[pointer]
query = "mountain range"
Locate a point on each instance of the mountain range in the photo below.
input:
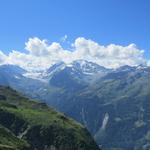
(113, 104)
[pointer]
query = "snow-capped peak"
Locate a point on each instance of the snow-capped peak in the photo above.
(88, 67)
(76, 68)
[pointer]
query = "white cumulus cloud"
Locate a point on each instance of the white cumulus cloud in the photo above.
(110, 56)
(40, 54)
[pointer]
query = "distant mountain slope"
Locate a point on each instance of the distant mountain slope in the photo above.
(28, 125)
(116, 109)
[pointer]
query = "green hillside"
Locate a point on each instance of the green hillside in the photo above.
(26, 125)
(8, 141)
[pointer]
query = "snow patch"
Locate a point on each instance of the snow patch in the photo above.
(105, 121)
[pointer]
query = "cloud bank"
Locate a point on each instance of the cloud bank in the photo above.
(41, 55)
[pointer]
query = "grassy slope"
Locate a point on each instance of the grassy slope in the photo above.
(36, 114)
(9, 141)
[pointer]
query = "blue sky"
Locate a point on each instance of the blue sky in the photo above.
(104, 21)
